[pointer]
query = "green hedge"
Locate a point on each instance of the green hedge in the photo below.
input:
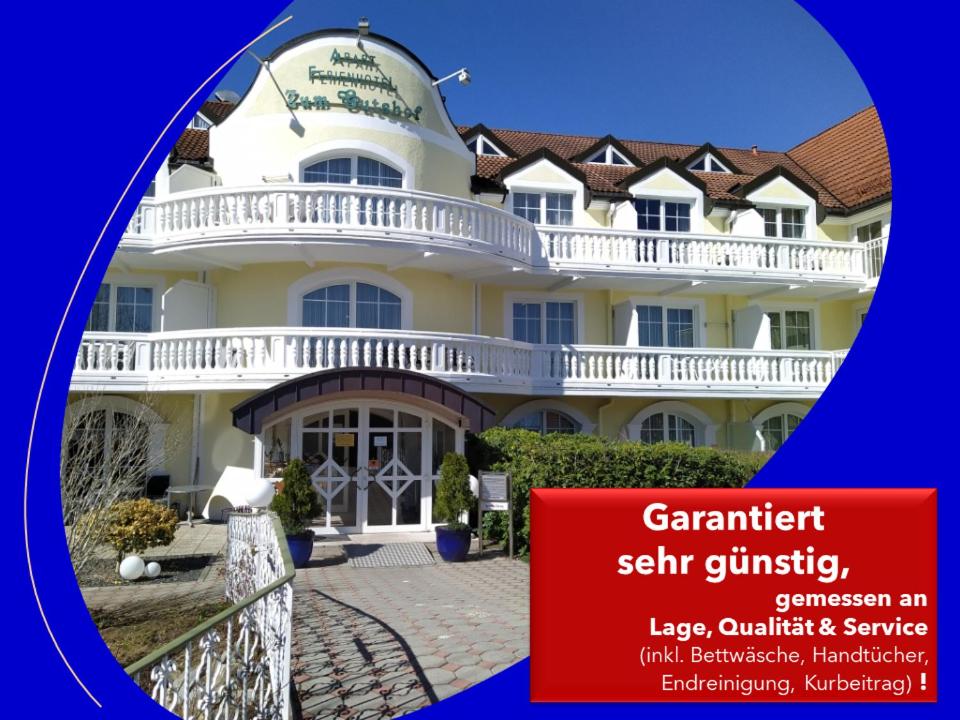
(586, 461)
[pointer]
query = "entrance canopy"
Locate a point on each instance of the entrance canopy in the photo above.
(250, 414)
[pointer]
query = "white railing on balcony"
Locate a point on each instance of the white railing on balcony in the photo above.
(389, 214)
(721, 254)
(335, 208)
(267, 355)
(237, 663)
(874, 252)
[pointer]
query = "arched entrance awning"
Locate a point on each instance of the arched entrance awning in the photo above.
(250, 414)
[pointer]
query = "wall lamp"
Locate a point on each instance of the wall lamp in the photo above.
(462, 75)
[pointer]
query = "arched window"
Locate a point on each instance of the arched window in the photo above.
(775, 424)
(111, 441)
(671, 421)
(548, 421)
(667, 427)
(355, 304)
(353, 170)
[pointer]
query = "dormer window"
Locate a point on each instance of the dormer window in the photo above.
(557, 208)
(199, 123)
(608, 156)
(708, 163)
(784, 222)
(481, 146)
(662, 215)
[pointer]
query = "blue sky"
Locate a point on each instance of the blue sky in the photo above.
(732, 73)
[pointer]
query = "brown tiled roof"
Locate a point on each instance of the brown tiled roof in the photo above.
(216, 111)
(192, 147)
(833, 172)
(850, 159)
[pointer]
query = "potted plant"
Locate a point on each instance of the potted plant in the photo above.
(296, 504)
(453, 499)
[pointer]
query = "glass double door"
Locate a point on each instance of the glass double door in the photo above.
(367, 464)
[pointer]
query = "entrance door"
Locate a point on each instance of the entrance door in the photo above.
(367, 465)
(394, 451)
(330, 447)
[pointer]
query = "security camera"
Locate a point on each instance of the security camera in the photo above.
(464, 77)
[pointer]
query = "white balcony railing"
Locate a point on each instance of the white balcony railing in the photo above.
(260, 357)
(384, 212)
(406, 216)
(717, 254)
(874, 251)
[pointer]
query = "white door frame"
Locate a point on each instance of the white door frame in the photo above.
(363, 477)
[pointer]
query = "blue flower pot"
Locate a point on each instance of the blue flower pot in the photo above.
(301, 548)
(453, 545)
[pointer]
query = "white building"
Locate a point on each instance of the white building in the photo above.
(341, 273)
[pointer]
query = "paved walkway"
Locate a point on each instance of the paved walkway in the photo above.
(381, 642)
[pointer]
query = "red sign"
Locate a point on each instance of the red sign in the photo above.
(733, 595)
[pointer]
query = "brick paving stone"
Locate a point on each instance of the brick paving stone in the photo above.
(382, 642)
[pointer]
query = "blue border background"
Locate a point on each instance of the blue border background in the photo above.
(92, 89)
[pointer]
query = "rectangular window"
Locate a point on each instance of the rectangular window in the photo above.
(99, 320)
(872, 231)
(791, 329)
(559, 209)
(784, 222)
(648, 214)
(796, 328)
(792, 222)
(134, 309)
(526, 322)
(769, 221)
(676, 217)
(527, 206)
(656, 323)
(650, 325)
(561, 326)
(680, 327)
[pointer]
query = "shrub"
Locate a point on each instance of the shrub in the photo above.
(135, 525)
(297, 503)
(586, 461)
(453, 496)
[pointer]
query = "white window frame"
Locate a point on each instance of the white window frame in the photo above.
(663, 212)
(779, 210)
(608, 152)
(112, 405)
(347, 276)
(710, 164)
(587, 426)
(354, 169)
(542, 299)
(704, 428)
(781, 409)
(543, 203)
(153, 282)
(199, 122)
(800, 307)
(338, 149)
(483, 145)
(699, 308)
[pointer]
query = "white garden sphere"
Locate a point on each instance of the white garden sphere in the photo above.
(260, 493)
(152, 570)
(132, 567)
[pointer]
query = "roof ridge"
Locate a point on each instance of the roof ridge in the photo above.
(871, 106)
